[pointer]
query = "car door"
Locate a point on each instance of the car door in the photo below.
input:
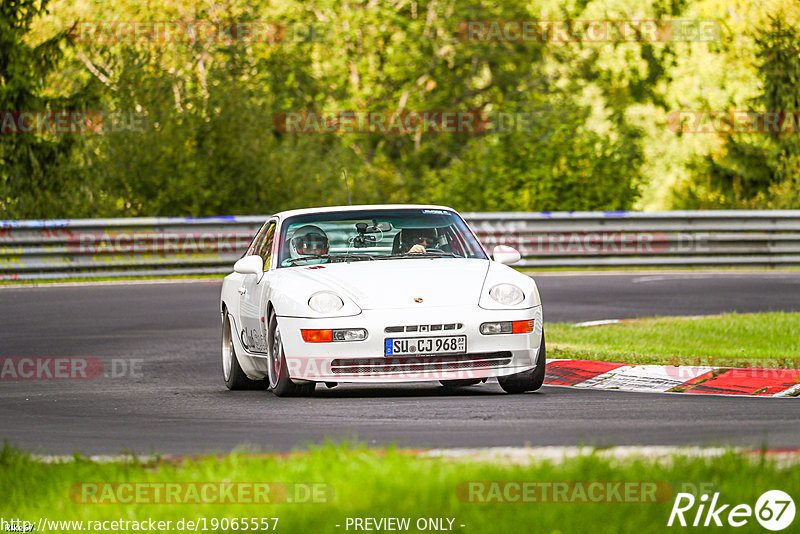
(251, 294)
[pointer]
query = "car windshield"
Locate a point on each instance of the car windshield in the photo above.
(375, 235)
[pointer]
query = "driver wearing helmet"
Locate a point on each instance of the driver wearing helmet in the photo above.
(308, 241)
(418, 240)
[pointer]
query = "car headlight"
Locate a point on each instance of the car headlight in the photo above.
(507, 294)
(325, 302)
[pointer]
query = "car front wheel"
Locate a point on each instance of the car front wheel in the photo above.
(232, 372)
(529, 380)
(279, 381)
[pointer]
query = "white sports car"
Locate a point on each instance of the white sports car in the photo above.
(393, 293)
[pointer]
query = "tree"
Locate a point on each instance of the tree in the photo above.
(36, 176)
(760, 169)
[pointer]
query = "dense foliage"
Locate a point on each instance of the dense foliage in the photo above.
(759, 169)
(589, 126)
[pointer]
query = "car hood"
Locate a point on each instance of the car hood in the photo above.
(397, 283)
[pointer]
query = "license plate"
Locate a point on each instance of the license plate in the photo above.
(425, 345)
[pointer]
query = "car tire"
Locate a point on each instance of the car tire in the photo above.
(232, 373)
(529, 380)
(279, 380)
(460, 383)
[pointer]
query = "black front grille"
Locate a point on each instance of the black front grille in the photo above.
(423, 328)
(413, 364)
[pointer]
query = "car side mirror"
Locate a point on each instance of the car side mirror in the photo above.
(250, 265)
(505, 254)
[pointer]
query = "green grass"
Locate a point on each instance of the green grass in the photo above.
(365, 483)
(732, 340)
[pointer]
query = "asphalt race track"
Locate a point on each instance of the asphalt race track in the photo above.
(162, 340)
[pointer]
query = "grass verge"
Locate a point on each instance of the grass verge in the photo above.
(364, 483)
(731, 340)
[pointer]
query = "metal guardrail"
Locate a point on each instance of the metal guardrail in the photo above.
(628, 238)
(70, 248)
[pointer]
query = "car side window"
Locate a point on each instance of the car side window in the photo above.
(256, 240)
(264, 247)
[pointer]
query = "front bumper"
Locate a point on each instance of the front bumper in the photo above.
(364, 361)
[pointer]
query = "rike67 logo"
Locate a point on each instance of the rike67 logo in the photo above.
(774, 510)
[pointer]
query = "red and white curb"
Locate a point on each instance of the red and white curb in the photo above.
(674, 379)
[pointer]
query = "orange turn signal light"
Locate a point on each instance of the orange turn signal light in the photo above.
(522, 327)
(317, 336)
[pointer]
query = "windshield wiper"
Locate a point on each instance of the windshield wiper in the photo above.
(330, 257)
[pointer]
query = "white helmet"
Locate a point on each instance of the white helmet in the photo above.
(308, 240)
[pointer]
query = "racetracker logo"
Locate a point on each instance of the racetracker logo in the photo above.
(68, 368)
(380, 121)
(130, 240)
(379, 370)
(200, 493)
(527, 491)
(472, 122)
(589, 31)
(71, 122)
(594, 243)
(774, 510)
(734, 122)
(194, 31)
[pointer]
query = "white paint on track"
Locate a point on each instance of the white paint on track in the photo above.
(597, 323)
(791, 392)
(652, 378)
(528, 455)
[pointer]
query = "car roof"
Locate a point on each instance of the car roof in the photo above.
(376, 207)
